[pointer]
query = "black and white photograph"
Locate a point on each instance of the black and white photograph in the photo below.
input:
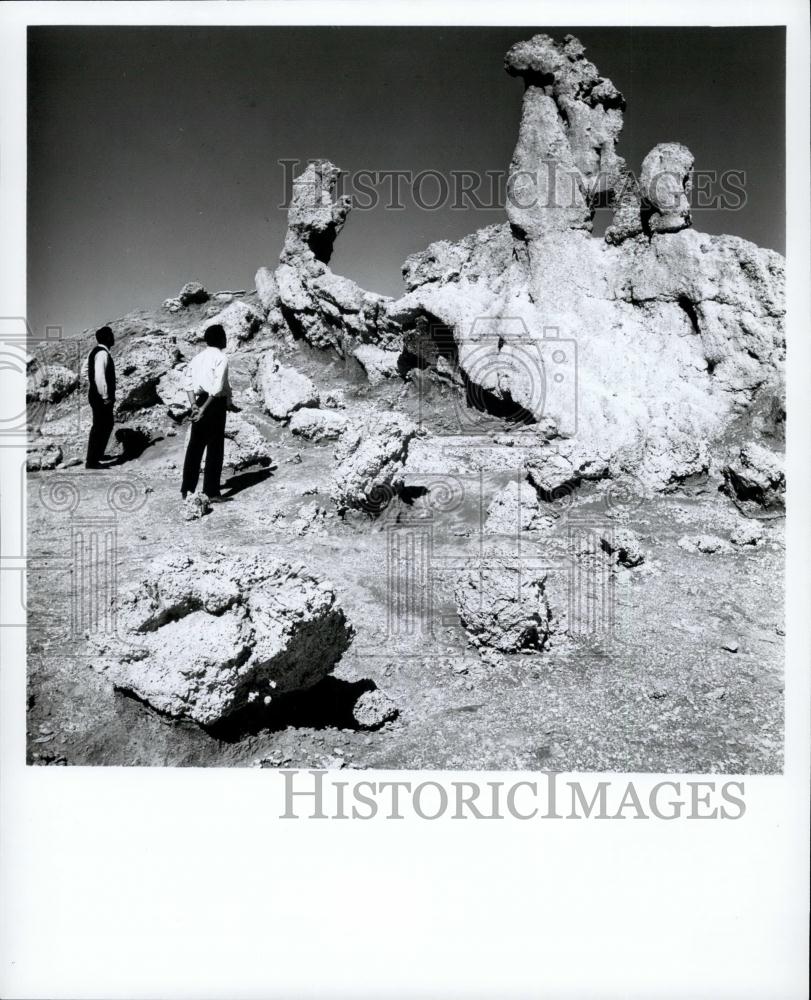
(421, 417)
(405, 417)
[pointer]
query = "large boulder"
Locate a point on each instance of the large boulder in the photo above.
(503, 606)
(370, 457)
(193, 293)
(283, 389)
(239, 321)
(318, 425)
(245, 445)
(140, 366)
(203, 636)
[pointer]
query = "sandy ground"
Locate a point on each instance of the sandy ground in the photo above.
(654, 690)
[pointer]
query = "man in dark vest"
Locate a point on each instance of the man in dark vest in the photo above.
(209, 391)
(101, 394)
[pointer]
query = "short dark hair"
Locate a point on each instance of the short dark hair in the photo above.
(104, 335)
(215, 336)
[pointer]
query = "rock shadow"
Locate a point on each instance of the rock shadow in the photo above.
(326, 705)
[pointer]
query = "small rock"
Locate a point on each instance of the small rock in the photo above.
(730, 645)
(374, 709)
(196, 506)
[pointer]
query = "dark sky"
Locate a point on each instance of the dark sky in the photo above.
(153, 152)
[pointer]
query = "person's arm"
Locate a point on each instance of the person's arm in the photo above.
(100, 375)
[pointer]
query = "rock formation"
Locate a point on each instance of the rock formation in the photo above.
(370, 458)
(202, 637)
(503, 606)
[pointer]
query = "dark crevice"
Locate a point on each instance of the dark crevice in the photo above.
(689, 310)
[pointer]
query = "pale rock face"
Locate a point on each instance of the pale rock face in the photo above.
(171, 390)
(198, 636)
(318, 425)
(624, 545)
(377, 363)
(283, 389)
(239, 321)
(50, 383)
(266, 289)
(754, 473)
(565, 154)
(195, 507)
(503, 607)
(139, 368)
(370, 458)
(514, 509)
(665, 186)
(245, 445)
(325, 308)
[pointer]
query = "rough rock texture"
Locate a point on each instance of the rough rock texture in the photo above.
(193, 293)
(171, 391)
(374, 709)
(755, 473)
(624, 545)
(747, 532)
(514, 509)
(503, 607)
(245, 445)
(139, 368)
(42, 454)
(49, 383)
(377, 363)
(665, 185)
(708, 544)
(283, 389)
(318, 425)
(565, 154)
(239, 321)
(324, 308)
(196, 506)
(266, 289)
(631, 354)
(200, 637)
(370, 459)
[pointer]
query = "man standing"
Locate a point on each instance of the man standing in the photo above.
(209, 392)
(101, 395)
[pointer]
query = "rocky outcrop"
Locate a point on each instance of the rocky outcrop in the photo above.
(665, 186)
(239, 321)
(49, 383)
(324, 308)
(503, 606)
(193, 293)
(370, 459)
(201, 637)
(565, 155)
(140, 366)
(283, 389)
(377, 363)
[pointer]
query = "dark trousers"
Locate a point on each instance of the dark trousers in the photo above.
(100, 431)
(207, 435)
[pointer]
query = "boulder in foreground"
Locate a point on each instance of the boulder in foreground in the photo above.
(200, 637)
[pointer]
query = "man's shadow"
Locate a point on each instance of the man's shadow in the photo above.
(244, 480)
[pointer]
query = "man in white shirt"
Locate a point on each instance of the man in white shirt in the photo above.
(209, 391)
(101, 396)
